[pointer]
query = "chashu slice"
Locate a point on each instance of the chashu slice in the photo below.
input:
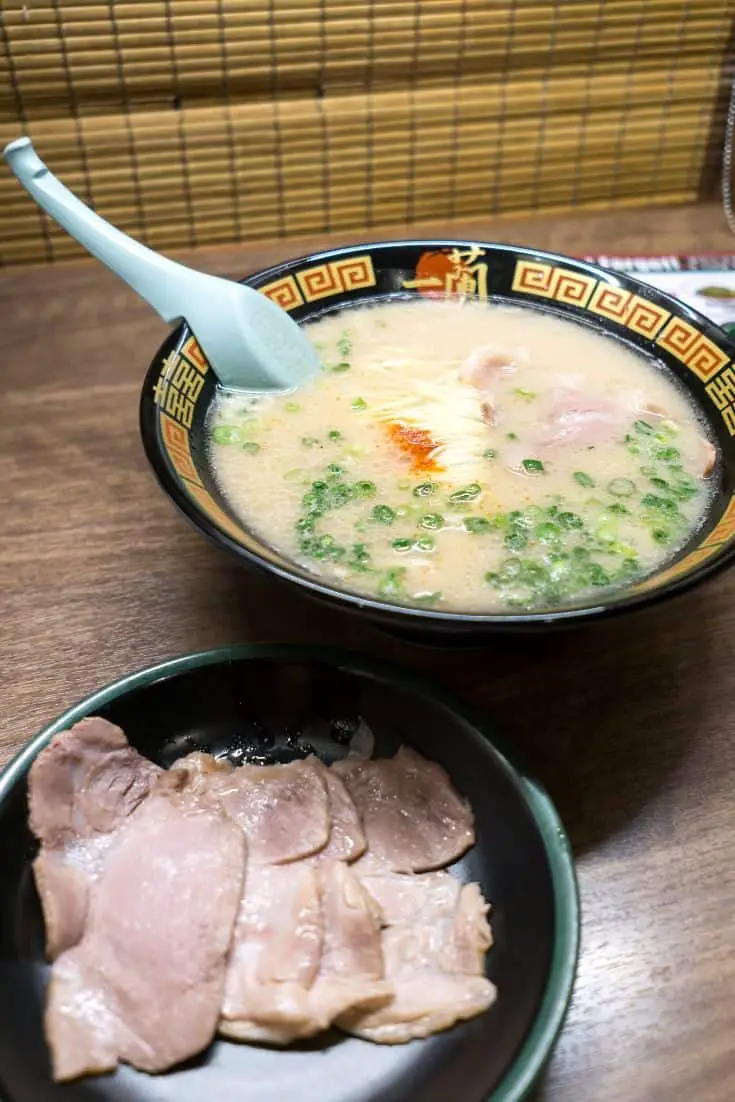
(275, 955)
(283, 809)
(85, 782)
(347, 839)
(318, 813)
(307, 948)
(81, 788)
(413, 818)
(144, 983)
(434, 942)
(351, 970)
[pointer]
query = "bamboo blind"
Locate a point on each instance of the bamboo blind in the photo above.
(190, 122)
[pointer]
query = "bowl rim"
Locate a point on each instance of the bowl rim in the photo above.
(434, 618)
(538, 1045)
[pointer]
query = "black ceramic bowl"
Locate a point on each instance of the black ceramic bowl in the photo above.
(179, 389)
(244, 699)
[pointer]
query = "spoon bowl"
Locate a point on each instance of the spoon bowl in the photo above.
(249, 341)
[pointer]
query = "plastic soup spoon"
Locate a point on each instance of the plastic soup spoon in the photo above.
(251, 343)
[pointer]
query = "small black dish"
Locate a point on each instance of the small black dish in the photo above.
(271, 702)
(179, 389)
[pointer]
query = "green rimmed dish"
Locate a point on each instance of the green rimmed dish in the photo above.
(245, 698)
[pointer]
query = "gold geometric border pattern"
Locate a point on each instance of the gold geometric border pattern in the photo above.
(628, 309)
(721, 534)
(195, 356)
(678, 337)
(180, 383)
(209, 506)
(176, 443)
(722, 392)
(336, 277)
(284, 292)
(547, 281)
(700, 354)
(175, 437)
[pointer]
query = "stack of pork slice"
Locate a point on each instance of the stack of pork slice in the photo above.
(265, 903)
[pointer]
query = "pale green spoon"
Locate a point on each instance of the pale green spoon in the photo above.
(251, 343)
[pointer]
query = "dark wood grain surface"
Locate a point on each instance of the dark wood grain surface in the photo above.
(630, 725)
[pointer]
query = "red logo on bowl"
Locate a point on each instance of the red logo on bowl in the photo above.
(451, 272)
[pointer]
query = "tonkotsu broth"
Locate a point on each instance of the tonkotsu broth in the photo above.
(471, 457)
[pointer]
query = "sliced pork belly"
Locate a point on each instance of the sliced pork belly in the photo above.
(275, 955)
(346, 837)
(198, 772)
(144, 984)
(351, 970)
(63, 890)
(81, 787)
(576, 418)
(296, 915)
(305, 792)
(708, 457)
(306, 948)
(486, 363)
(412, 817)
(283, 809)
(434, 943)
(85, 782)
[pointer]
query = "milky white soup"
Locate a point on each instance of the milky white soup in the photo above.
(458, 455)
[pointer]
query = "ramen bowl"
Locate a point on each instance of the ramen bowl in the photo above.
(180, 388)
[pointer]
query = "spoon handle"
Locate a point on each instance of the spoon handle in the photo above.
(163, 283)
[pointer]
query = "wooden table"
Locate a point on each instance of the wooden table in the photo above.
(630, 725)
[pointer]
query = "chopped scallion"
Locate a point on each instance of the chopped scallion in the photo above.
(477, 525)
(621, 487)
(466, 493)
(226, 434)
(383, 514)
(425, 489)
(431, 521)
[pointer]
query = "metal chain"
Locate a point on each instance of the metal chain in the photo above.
(727, 161)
